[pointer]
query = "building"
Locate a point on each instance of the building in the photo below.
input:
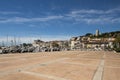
(86, 42)
(57, 44)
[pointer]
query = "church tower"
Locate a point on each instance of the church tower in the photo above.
(97, 33)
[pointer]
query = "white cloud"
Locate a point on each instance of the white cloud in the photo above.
(89, 16)
(95, 16)
(9, 12)
(93, 11)
(32, 25)
(87, 12)
(113, 10)
(21, 19)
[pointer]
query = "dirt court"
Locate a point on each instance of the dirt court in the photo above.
(64, 65)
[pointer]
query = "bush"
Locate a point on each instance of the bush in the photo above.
(117, 49)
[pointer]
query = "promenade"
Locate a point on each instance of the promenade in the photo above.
(64, 65)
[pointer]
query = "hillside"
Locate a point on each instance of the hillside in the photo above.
(105, 35)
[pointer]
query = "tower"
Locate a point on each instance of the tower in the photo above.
(97, 33)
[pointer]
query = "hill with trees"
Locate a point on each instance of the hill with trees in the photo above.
(114, 34)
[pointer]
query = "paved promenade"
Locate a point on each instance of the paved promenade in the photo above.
(65, 65)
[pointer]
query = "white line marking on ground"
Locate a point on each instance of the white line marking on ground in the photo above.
(72, 63)
(99, 72)
(22, 59)
(83, 58)
(112, 67)
(45, 63)
(53, 61)
(30, 67)
(44, 75)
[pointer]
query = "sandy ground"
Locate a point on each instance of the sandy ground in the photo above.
(65, 65)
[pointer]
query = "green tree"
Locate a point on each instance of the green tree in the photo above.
(88, 34)
(118, 41)
(55, 44)
(117, 44)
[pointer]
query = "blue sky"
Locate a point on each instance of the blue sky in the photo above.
(57, 19)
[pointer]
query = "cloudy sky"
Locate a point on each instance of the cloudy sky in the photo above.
(57, 19)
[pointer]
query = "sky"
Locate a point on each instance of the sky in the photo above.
(48, 20)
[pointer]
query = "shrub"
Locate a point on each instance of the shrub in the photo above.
(117, 49)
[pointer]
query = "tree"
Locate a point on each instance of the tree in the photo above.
(117, 40)
(55, 44)
(117, 44)
(24, 44)
(88, 34)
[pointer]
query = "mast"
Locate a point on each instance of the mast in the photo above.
(14, 41)
(7, 41)
(3, 44)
